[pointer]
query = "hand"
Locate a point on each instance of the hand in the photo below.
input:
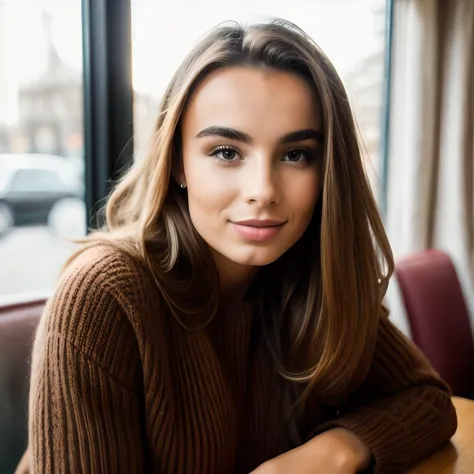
(338, 451)
(24, 464)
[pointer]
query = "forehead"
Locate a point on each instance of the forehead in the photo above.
(253, 100)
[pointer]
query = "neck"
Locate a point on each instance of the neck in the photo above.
(234, 279)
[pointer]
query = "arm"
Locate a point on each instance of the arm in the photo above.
(84, 412)
(403, 411)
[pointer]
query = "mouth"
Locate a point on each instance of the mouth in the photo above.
(260, 223)
(257, 230)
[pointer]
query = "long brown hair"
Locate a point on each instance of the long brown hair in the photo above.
(321, 301)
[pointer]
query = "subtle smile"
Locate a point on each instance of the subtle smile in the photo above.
(257, 230)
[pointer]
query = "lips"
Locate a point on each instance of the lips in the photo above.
(260, 223)
(258, 230)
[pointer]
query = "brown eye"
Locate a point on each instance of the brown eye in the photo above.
(297, 155)
(225, 153)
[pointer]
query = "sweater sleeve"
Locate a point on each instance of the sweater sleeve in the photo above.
(402, 411)
(84, 410)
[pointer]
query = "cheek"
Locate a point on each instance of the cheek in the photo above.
(303, 195)
(209, 193)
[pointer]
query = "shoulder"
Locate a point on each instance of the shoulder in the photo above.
(108, 269)
(90, 314)
(96, 301)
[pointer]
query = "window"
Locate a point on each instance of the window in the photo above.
(41, 142)
(352, 34)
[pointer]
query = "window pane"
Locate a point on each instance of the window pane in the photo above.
(352, 34)
(41, 142)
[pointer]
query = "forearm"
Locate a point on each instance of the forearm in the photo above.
(402, 411)
(400, 429)
(336, 451)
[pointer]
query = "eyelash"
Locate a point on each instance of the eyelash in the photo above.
(220, 149)
(310, 155)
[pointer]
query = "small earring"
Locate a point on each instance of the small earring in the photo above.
(183, 185)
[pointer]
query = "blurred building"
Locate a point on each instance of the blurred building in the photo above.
(50, 108)
(6, 93)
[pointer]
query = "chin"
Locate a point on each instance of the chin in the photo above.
(258, 257)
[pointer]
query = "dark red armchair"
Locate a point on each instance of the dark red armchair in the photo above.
(18, 324)
(438, 316)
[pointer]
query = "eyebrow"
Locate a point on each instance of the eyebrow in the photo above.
(232, 134)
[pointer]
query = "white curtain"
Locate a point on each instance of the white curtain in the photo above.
(430, 202)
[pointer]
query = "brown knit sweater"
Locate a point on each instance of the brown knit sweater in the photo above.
(118, 386)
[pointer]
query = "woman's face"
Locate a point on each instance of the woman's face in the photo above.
(252, 151)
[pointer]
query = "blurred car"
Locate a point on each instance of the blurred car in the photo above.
(31, 185)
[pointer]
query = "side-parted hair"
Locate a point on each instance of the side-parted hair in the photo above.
(319, 303)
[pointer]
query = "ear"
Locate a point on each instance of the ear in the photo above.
(177, 171)
(178, 174)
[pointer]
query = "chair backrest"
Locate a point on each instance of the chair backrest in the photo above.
(438, 316)
(18, 323)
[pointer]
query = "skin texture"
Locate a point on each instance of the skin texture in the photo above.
(257, 174)
(260, 179)
(337, 451)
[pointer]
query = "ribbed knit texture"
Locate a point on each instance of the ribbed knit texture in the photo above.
(118, 386)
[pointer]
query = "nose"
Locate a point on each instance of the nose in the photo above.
(261, 183)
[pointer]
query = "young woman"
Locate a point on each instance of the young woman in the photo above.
(229, 318)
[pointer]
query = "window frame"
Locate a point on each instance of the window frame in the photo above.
(108, 99)
(386, 99)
